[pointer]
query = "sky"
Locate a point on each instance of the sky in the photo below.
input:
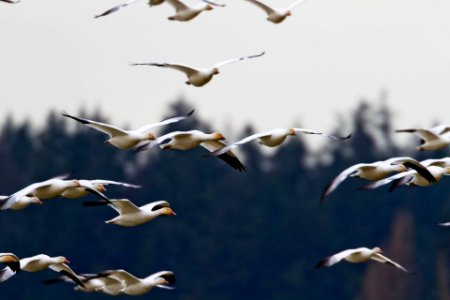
(319, 62)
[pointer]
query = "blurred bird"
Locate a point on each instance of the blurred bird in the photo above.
(12, 266)
(23, 202)
(378, 170)
(125, 139)
(93, 283)
(276, 15)
(186, 12)
(186, 140)
(433, 138)
(137, 286)
(198, 77)
(131, 215)
(10, 1)
(274, 138)
(96, 184)
(359, 255)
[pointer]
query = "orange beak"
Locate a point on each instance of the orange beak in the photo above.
(66, 261)
(151, 137)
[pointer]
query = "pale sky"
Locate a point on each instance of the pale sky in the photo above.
(318, 62)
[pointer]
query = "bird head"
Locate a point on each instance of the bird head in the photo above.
(167, 211)
(377, 250)
(151, 137)
(36, 200)
(292, 132)
(100, 187)
(209, 7)
(215, 71)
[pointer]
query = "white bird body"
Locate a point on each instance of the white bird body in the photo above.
(23, 202)
(198, 76)
(186, 12)
(358, 255)
(97, 184)
(433, 138)
(275, 15)
(105, 285)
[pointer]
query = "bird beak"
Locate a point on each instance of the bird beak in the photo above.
(172, 213)
(77, 183)
(66, 261)
(151, 137)
(39, 202)
(289, 13)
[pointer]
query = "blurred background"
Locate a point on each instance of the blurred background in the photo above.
(338, 67)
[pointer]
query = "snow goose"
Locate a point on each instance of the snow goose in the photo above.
(198, 77)
(359, 255)
(186, 140)
(186, 12)
(45, 190)
(23, 202)
(97, 184)
(378, 170)
(433, 138)
(274, 138)
(131, 215)
(125, 4)
(137, 286)
(12, 265)
(276, 15)
(125, 139)
(93, 283)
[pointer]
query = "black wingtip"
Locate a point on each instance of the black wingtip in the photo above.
(323, 263)
(347, 137)
(190, 113)
(324, 193)
(83, 121)
(73, 277)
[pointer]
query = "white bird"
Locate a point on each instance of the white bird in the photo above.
(131, 215)
(359, 255)
(93, 283)
(378, 170)
(185, 12)
(276, 15)
(274, 138)
(50, 188)
(23, 202)
(186, 140)
(12, 265)
(42, 261)
(125, 139)
(446, 224)
(137, 286)
(433, 138)
(10, 1)
(125, 4)
(198, 77)
(97, 184)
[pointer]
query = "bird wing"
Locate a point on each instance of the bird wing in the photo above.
(121, 275)
(10, 1)
(108, 182)
(214, 3)
(124, 206)
(116, 8)
(243, 141)
(334, 259)
(185, 69)
(228, 156)
(307, 131)
(340, 178)
(295, 4)
(383, 259)
(161, 139)
(105, 128)
(9, 201)
(411, 163)
(263, 6)
(87, 185)
(425, 134)
(156, 205)
(66, 270)
(230, 61)
(178, 5)
(166, 121)
(388, 180)
(6, 273)
(440, 129)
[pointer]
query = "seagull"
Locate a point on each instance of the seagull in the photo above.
(433, 138)
(93, 283)
(12, 265)
(185, 12)
(125, 4)
(199, 77)
(131, 215)
(125, 139)
(359, 255)
(186, 140)
(378, 170)
(96, 184)
(274, 138)
(137, 286)
(276, 15)
(23, 202)
(50, 188)
(11, 1)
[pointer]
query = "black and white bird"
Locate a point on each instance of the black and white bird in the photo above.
(185, 12)
(434, 138)
(125, 139)
(359, 255)
(92, 283)
(198, 77)
(276, 15)
(12, 266)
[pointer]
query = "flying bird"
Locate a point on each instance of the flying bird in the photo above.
(125, 139)
(131, 215)
(96, 184)
(23, 202)
(433, 138)
(125, 4)
(359, 255)
(12, 266)
(186, 140)
(185, 12)
(378, 170)
(274, 138)
(276, 15)
(11, 1)
(93, 283)
(198, 77)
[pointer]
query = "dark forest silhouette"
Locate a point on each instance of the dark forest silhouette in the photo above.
(256, 235)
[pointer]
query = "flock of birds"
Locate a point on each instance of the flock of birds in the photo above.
(397, 171)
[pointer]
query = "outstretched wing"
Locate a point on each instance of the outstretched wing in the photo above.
(230, 61)
(111, 130)
(425, 134)
(388, 180)
(411, 163)
(167, 121)
(66, 270)
(307, 131)
(185, 69)
(383, 259)
(295, 4)
(263, 6)
(334, 259)
(250, 138)
(116, 8)
(108, 182)
(178, 5)
(227, 157)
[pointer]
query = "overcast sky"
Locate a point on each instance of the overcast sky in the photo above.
(319, 62)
